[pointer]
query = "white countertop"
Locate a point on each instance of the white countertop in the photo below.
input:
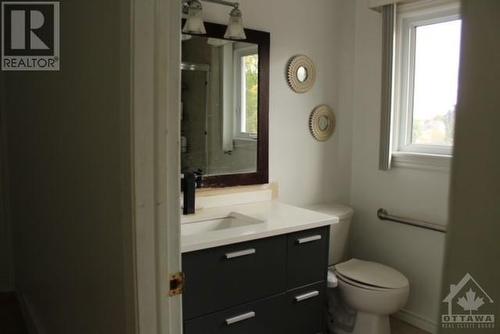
(277, 218)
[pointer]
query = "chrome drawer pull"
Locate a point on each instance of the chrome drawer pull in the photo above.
(309, 239)
(306, 296)
(241, 317)
(245, 252)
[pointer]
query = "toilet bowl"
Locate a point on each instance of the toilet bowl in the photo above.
(374, 291)
(370, 291)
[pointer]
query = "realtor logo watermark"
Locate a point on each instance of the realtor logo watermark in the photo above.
(30, 36)
(468, 306)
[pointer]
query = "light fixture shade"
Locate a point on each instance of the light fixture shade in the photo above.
(194, 22)
(235, 28)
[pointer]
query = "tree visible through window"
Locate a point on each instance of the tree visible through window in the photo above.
(427, 57)
(249, 93)
(437, 50)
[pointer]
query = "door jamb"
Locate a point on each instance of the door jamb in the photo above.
(155, 118)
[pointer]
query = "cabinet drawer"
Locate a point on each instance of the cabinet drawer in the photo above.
(306, 309)
(307, 257)
(226, 276)
(262, 317)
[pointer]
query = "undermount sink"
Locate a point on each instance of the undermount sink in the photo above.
(233, 220)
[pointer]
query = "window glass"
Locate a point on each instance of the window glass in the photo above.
(249, 93)
(437, 52)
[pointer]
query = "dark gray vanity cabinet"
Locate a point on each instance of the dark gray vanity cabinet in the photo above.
(230, 275)
(271, 285)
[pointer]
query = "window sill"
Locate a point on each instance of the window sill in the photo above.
(245, 139)
(422, 161)
(244, 142)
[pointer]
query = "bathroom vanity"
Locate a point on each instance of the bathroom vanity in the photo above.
(259, 269)
(251, 268)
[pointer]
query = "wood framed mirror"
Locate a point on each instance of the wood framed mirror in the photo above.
(225, 107)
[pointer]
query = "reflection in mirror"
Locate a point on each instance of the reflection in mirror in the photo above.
(219, 106)
(302, 74)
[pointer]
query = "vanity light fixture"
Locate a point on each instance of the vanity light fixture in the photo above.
(235, 28)
(194, 21)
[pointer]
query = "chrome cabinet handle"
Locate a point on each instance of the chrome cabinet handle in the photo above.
(245, 252)
(306, 296)
(241, 317)
(309, 239)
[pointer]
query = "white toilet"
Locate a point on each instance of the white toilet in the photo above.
(372, 290)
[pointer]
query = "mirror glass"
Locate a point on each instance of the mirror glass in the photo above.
(219, 106)
(323, 123)
(302, 74)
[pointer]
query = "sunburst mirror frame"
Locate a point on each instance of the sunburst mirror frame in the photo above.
(301, 73)
(322, 122)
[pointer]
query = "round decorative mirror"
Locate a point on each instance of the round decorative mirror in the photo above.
(301, 73)
(322, 122)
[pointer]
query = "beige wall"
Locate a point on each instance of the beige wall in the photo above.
(472, 245)
(69, 151)
(307, 171)
(416, 193)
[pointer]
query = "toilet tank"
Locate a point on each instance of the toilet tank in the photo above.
(339, 232)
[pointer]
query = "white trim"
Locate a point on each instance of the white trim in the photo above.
(378, 4)
(417, 321)
(422, 161)
(155, 94)
(412, 5)
(375, 4)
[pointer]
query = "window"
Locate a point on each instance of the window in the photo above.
(247, 92)
(426, 77)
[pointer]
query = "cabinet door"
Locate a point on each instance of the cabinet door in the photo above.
(307, 257)
(262, 317)
(222, 277)
(306, 308)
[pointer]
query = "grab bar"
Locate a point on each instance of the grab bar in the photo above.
(384, 215)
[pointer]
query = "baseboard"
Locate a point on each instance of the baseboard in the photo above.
(417, 321)
(32, 323)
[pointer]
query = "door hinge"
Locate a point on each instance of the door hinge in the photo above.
(176, 284)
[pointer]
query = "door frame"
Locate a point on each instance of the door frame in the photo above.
(155, 131)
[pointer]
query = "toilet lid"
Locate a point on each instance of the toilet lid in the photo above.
(372, 273)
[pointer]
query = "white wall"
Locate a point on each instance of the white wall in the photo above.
(307, 171)
(420, 194)
(472, 244)
(344, 40)
(69, 158)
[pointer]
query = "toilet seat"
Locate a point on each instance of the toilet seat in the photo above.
(370, 275)
(359, 284)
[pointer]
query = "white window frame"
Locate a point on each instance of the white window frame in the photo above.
(409, 17)
(239, 92)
